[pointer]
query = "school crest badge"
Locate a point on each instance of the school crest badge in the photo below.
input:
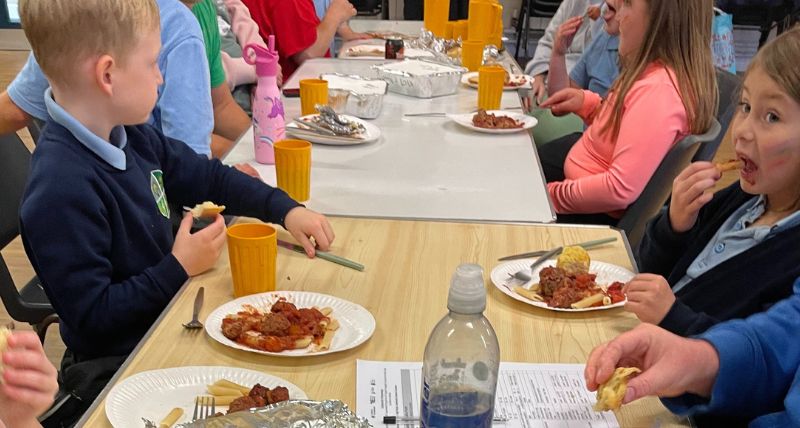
(159, 194)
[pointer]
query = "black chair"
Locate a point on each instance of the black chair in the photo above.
(764, 14)
(728, 84)
(659, 187)
(528, 10)
(371, 8)
(28, 304)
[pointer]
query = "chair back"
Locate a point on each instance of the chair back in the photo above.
(658, 189)
(29, 303)
(728, 84)
(544, 8)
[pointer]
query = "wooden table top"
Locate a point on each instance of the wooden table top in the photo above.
(408, 269)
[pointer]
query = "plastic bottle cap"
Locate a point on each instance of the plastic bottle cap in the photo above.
(467, 290)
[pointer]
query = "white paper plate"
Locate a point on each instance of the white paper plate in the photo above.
(465, 120)
(154, 393)
(606, 274)
(356, 324)
(373, 133)
(373, 52)
(523, 79)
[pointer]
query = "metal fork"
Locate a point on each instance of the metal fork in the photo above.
(204, 407)
(195, 324)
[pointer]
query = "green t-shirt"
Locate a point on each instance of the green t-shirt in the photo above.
(206, 14)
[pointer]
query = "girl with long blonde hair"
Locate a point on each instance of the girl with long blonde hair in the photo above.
(666, 90)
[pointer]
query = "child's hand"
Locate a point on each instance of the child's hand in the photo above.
(197, 252)
(565, 101)
(340, 11)
(539, 88)
(303, 223)
(29, 381)
(649, 297)
(691, 190)
(565, 34)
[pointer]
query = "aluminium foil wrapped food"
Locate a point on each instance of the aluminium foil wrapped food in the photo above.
(420, 78)
(288, 414)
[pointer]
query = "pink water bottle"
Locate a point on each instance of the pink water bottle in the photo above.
(269, 124)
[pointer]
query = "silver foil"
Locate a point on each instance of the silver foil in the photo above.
(289, 414)
(421, 85)
(363, 105)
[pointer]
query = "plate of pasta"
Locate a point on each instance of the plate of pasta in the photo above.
(169, 394)
(572, 283)
(290, 324)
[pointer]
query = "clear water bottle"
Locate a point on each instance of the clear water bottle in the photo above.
(462, 357)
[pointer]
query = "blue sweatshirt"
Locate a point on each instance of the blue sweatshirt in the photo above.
(759, 369)
(96, 227)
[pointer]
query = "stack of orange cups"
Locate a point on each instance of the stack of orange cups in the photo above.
(449, 29)
(490, 86)
(462, 28)
(435, 13)
(293, 168)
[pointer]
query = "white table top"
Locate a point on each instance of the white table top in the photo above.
(421, 167)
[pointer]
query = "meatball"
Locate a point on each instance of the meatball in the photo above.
(259, 391)
(551, 279)
(232, 329)
(283, 306)
(278, 394)
(246, 403)
(273, 324)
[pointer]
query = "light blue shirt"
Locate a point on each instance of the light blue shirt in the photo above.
(321, 7)
(183, 111)
(598, 66)
(734, 237)
(109, 151)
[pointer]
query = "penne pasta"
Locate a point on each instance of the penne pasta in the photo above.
(326, 310)
(225, 383)
(303, 342)
(325, 344)
(588, 301)
(529, 294)
(171, 418)
(221, 390)
(225, 400)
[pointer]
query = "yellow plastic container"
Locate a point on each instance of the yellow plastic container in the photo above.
(435, 13)
(252, 250)
(472, 54)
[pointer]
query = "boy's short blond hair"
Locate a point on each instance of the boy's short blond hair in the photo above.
(64, 32)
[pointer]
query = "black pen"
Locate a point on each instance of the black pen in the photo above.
(405, 420)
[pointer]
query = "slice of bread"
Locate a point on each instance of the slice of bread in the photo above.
(611, 393)
(207, 210)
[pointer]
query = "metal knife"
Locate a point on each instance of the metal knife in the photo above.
(585, 245)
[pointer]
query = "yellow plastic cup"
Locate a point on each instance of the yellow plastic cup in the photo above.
(483, 19)
(435, 14)
(293, 168)
(449, 28)
(490, 86)
(472, 54)
(252, 249)
(461, 29)
(312, 92)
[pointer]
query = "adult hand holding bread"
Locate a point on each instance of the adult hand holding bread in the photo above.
(691, 190)
(29, 380)
(671, 365)
(304, 224)
(197, 252)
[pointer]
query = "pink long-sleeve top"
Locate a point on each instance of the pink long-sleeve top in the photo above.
(606, 176)
(237, 71)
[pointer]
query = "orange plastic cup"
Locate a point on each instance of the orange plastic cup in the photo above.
(483, 19)
(252, 250)
(472, 54)
(461, 29)
(490, 86)
(293, 168)
(449, 28)
(312, 92)
(435, 14)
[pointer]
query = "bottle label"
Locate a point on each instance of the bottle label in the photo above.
(466, 408)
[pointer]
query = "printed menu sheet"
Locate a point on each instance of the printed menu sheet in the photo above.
(528, 395)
